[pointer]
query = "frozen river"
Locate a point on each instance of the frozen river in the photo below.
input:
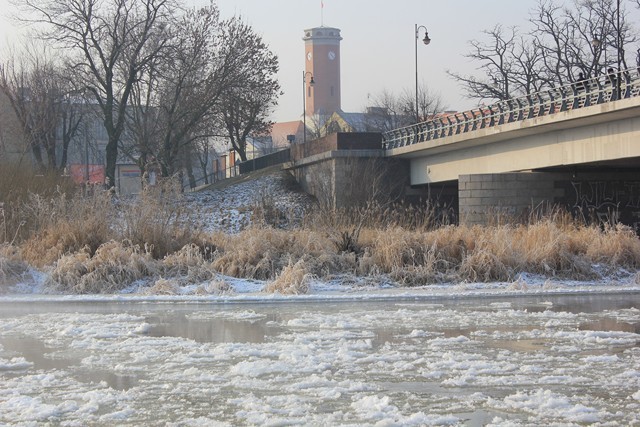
(564, 360)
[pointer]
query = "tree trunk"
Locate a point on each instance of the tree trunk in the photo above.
(111, 157)
(37, 155)
(192, 178)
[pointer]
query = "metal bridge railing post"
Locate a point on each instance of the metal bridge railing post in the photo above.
(538, 104)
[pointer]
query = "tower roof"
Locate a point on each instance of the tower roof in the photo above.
(322, 33)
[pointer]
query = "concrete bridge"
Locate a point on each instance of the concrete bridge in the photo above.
(576, 146)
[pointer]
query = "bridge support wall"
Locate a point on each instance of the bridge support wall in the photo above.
(348, 169)
(604, 197)
(340, 179)
(487, 198)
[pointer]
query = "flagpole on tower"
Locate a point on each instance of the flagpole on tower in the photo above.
(322, 13)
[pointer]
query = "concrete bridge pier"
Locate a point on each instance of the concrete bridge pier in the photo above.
(487, 198)
(349, 169)
(605, 196)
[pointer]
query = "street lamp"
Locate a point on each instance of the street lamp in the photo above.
(304, 102)
(618, 43)
(598, 44)
(426, 41)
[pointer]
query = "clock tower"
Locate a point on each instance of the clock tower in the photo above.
(322, 61)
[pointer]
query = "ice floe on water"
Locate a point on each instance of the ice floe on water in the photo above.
(520, 361)
(350, 352)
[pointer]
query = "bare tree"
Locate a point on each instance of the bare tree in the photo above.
(391, 111)
(565, 40)
(110, 42)
(245, 107)
(429, 103)
(175, 91)
(41, 94)
(206, 67)
(317, 126)
(202, 152)
(509, 64)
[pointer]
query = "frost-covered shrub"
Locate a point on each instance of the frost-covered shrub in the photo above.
(11, 266)
(188, 264)
(113, 267)
(65, 225)
(293, 280)
(158, 220)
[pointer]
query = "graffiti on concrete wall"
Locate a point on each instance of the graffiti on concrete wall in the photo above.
(608, 201)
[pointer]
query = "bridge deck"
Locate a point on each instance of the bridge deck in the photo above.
(527, 110)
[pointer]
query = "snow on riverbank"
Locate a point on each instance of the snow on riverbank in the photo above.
(32, 287)
(230, 209)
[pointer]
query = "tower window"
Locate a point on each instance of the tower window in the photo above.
(309, 92)
(331, 90)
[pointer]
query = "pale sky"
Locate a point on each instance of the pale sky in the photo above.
(378, 42)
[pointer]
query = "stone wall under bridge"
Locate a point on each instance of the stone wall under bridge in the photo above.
(348, 169)
(603, 197)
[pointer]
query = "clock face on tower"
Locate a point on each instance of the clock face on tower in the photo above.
(309, 56)
(331, 55)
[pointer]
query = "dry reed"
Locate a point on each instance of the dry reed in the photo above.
(95, 245)
(17, 184)
(11, 265)
(158, 220)
(213, 287)
(292, 280)
(64, 225)
(113, 267)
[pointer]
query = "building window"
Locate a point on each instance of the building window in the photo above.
(308, 91)
(331, 90)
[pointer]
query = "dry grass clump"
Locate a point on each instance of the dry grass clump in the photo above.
(412, 257)
(159, 221)
(492, 257)
(554, 249)
(261, 253)
(113, 267)
(61, 224)
(496, 253)
(17, 183)
(292, 280)
(66, 225)
(213, 287)
(615, 246)
(188, 264)
(11, 266)
(163, 287)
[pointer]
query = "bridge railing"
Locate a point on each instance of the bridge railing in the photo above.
(593, 91)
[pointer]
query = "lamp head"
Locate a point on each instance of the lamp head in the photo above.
(426, 39)
(311, 82)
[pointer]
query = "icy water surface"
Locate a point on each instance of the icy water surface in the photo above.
(563, 360)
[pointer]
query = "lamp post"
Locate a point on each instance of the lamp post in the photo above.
(597, 44)
(304, 102)
(426, 41)
(618, 46)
